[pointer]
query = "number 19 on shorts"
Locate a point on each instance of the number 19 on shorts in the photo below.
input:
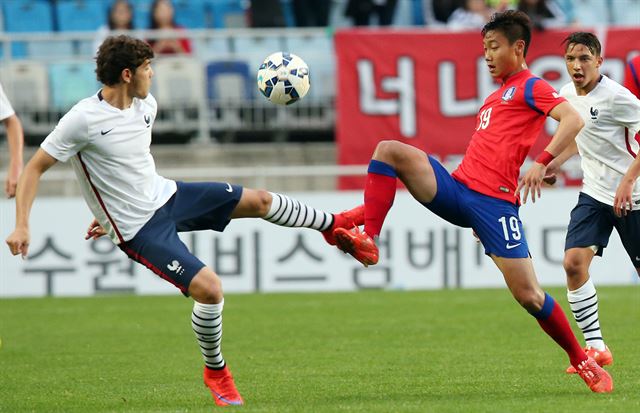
(511, 230)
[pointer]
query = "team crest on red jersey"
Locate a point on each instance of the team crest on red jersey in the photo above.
(508, 94)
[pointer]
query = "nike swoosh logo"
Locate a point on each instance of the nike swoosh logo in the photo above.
(229, 188)
(102, 132)
(509, 246)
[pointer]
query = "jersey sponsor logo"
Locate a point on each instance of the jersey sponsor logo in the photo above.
(508, 94)
(175, 267)
(504, 189)
(229, 188)
(104, 132)
(512, 246)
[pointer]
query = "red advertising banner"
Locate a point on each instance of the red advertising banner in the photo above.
(424, 88)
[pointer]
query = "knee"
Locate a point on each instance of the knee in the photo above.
(262, 202)
(531, 300)
(387, 151)
(206, 287)
(573, 266)
(256, 202)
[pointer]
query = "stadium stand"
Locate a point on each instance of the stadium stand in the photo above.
(80, 15)
(71, 82)
(27, 85)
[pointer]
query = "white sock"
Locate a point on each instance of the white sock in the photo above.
(206, 321)
(584, 306)
(289, 212)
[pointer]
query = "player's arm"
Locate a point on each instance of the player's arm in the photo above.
(626, 110)
(624, 194)
(554, 166)
(15, 139)
(18, 241)
(570, 124)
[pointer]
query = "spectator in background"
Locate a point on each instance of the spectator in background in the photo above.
(437, 12)
(311, 13)
(266, 13)
(473, 14)
(632, 76)
(544, 14)
(120, 18)
(15, 140)
(162, 18)
(360, 11)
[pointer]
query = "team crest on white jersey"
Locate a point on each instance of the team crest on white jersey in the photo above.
(147, 119)
(594, 113)
(508, 94)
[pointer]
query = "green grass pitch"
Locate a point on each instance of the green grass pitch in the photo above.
(425, 351)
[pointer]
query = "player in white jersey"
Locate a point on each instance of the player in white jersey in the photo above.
(107, 137)
(610, 196)
(15, 140)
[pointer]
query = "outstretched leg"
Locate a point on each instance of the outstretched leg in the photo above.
(285, 211)
(391, 160)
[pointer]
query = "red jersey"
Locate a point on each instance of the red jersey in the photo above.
(509, 123)
(632, 76)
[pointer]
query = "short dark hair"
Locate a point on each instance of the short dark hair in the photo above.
(514, 24)
(585, 38)
(117, 53)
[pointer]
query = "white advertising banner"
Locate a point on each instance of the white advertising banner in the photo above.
(418, 250)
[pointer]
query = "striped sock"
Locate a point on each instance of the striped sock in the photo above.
(584, 306)
(206, 321)
(289, 212)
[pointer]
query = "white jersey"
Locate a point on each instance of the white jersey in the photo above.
(5, 106)
(110, 154)
(607, 143)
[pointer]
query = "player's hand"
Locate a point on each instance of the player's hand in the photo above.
(532, 182)
(95, 230)
(550, 176)
(18, 241)
(623, 199)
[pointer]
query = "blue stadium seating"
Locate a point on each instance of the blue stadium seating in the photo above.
(190, 14)
(217, 71)
(26, 16)
(80, 15)
(141, 14)
(227, 13)
(71, 82)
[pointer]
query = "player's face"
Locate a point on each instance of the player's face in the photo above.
(141, 83)
(583, 66)
(502, 58)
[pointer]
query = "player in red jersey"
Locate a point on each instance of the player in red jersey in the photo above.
(483, 193)
(632, 76)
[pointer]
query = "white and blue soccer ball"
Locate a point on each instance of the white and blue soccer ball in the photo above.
(283, 78)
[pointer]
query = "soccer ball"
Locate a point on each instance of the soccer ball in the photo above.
(283, 78)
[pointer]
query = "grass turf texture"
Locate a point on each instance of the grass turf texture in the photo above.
(440, 351)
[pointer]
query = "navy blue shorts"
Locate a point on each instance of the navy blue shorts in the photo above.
(592, 222)
(194, 207)
(495, 221)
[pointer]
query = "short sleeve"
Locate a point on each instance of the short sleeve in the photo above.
(545, 98)
(6, 109)
(68, 138)
(626, 110)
